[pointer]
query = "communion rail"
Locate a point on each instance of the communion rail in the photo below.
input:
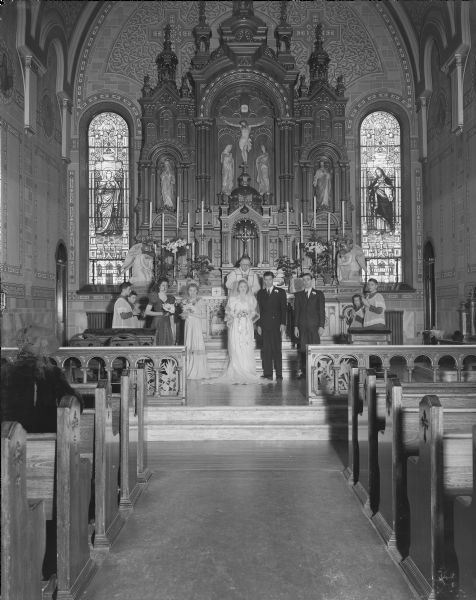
(328, 367)
(165, 366)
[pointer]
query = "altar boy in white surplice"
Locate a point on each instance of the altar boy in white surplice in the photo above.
(244, 273)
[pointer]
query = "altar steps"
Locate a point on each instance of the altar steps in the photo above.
(244, 423)
(217, 358)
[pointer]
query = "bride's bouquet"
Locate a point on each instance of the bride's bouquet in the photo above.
(241, 314)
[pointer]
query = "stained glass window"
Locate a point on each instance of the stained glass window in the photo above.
(108, 160)
(380, 196)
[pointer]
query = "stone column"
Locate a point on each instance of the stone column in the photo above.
(204, 128)
(286, 128)
(306, 187)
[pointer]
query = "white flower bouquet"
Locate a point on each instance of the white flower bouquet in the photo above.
(174, 246)
(169, 307)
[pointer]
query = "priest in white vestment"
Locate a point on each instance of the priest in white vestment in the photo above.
(244, 273)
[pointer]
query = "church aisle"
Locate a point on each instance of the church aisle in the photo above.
(248, 521)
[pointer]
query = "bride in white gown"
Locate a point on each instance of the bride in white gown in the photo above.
(240, 314)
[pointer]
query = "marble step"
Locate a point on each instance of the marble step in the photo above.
(246, 423)
(217, 360)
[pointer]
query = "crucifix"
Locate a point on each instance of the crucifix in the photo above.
(245, 235)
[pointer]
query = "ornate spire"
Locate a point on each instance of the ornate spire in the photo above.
(319, 59)
(167, 60)
(340, 86)
(202, 34)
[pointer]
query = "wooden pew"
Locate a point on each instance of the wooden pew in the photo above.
(58, 475)
(100, 439)
(392, 434)
(129, 484)
(442, 473)
(23, 523)
(357, 470)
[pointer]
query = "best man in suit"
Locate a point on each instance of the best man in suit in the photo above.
(272, 304)
(309, 317)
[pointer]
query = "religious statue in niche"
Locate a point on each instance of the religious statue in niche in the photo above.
(244, 143)
(350, 261)
(262, 170)
(381, 200)
(140, 259)
(322, 186)
(167, 184)
(108, 184)
(227, 170)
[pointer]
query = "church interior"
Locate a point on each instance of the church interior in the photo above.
(207, 144)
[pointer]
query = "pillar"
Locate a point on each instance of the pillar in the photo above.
(203, 137)
(286, 127)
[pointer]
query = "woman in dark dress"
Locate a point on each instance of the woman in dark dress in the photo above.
(161, 309)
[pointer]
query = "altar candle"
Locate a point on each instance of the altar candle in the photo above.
(287, 218)
(193, 250)
(328, 226)
(343, 216)
(302, 228)
(188, 227)
(203, 217)
(314, 216)
(163, 228)
(178, 214)
(150, 216)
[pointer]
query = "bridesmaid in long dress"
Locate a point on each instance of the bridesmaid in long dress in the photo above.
(162, 309)
(192, 311)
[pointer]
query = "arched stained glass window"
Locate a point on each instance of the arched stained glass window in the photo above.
(108, 162)
(380, 196)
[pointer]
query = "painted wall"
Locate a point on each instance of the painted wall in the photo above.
(32, 191)
(450, 198)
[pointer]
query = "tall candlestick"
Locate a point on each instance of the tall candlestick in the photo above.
(150, 216)
(193, 250)
(328, 226)
(203, 217)
(188, 227)
(287, 218)
(314, 215)
(163, 229)
(178, 214)
(342, 204)
(302, 229)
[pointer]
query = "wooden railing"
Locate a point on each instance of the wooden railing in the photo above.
(328, 367)
(165, 366)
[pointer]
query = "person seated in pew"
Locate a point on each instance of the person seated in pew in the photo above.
(32, 386)
(374, 305)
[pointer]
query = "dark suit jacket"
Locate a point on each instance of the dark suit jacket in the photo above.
(272, 308)
(309, 313)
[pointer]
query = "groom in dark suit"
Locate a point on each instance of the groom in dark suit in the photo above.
(272, 304)
(309, 317)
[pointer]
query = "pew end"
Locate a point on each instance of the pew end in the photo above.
(23, 522)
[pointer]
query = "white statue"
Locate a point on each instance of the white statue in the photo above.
(227, 170)
(350, 261)
(142, 265)
(167, 184)
(322, 185)
(262, 171)
(244, 142)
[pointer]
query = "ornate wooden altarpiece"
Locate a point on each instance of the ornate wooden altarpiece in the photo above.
(281, 126)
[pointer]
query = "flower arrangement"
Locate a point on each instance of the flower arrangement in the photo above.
(321, 253)
(287, 266)
(201, 264)
(175, 245)
(188, 308)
